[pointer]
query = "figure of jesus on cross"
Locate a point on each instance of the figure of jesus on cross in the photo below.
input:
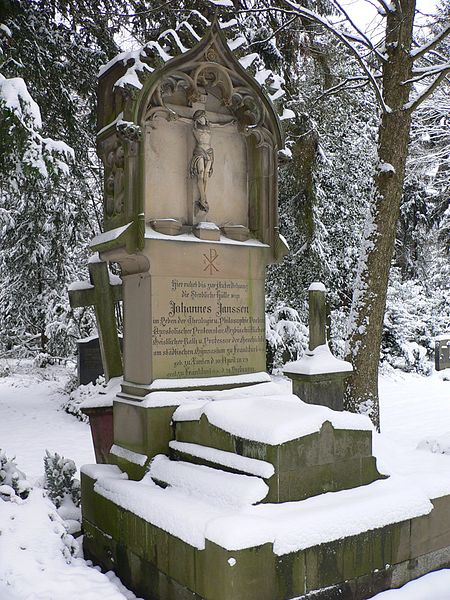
(202, 161)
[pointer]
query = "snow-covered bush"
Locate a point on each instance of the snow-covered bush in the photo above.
(99, 394)
(13, 482)
(59, 479)
(285, 336)
(416, 358)
(62, 527)
(79, 395)
(72, 382)
(82, 393)
(4, 369)
(42, 360)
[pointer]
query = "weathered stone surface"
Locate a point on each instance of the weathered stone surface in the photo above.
(431, 532)
(143, 430)
(238, 574)
(159, 566)
(330, 460)
(317, 320)
(325, 389)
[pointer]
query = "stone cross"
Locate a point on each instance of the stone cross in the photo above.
(317, 315)
(102, 295)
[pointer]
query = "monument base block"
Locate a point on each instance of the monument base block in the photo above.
(326, 389)
(234, 504)
(157, 565)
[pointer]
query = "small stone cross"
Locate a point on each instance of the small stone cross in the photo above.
(103, 295)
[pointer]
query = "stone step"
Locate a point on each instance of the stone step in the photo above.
(208, 483)
(312, 448)
(226, 461)
(357, 540)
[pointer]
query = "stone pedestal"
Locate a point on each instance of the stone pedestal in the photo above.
(198, 312)
(319, 377)
(326, 389)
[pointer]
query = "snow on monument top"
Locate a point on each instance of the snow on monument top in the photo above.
(316, 286)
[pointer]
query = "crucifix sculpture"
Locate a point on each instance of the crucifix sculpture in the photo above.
(202, 161)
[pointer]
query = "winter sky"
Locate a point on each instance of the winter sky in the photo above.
(365, 14)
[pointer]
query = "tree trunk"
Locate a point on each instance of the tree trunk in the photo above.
(369, 297)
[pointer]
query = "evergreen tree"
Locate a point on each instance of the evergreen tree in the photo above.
(49, 176)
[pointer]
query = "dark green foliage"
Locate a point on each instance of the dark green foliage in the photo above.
(59, 479)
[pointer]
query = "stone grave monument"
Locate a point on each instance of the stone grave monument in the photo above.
(319, 377)
(442, 352)
(215, 487)
(89, 360)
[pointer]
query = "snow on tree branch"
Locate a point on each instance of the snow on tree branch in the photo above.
(362, 36)
(413, 104)
(424, 72)
(16, 97)
(19, 108)
(386, 7)
(313, 16)
(418, 52)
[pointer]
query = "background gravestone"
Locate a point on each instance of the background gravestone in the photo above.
(89, 362)
(442, 353)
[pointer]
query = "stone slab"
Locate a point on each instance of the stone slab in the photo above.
(158, 566)
(89, 360)
(330, 460)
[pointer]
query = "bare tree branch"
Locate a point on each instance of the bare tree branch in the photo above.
(364, 37)
(411, 106)
(339, 86)
(312, 16)
(431, 44)
(276, 32)
(427, 72)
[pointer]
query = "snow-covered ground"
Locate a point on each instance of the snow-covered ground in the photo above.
(32, 420)
(34, 561)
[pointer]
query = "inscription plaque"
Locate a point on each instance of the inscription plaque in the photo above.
(206, 327)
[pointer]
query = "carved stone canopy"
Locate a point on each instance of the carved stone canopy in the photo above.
(198, 141)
